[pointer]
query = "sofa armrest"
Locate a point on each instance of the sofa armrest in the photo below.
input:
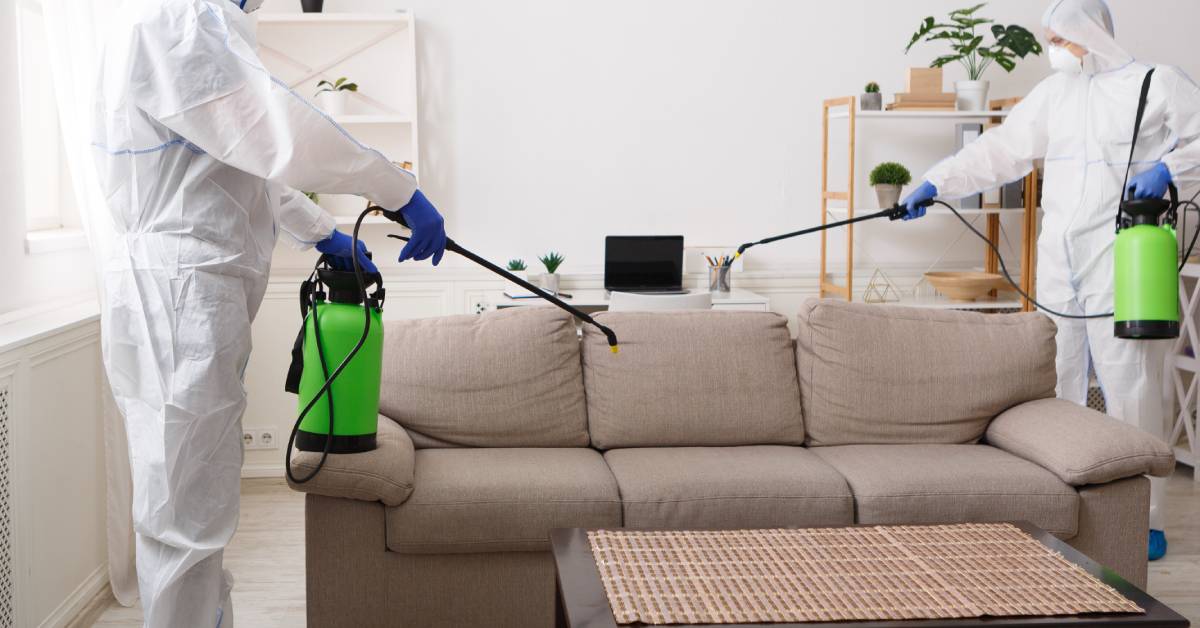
(1078, 444)
(384, 475)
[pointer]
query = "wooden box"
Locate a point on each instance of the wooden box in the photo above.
(924, 81)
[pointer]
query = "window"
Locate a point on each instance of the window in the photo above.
(49, 197)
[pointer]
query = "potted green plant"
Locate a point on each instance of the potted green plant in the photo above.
(518, 268)
(312, 6)
(889, 179)
(551, 261)
(332, 96)
(871, 100)
(1008, 44)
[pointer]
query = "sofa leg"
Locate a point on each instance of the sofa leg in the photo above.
(560, 611)
(1114, 522)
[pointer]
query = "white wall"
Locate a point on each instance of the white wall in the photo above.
(551, 124)
(547, 125)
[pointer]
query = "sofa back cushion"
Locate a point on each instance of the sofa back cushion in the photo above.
(699, 378)
(509, 378)
(892, 374)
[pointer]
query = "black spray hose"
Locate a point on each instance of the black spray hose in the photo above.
(326, 390)
(899, 211)
(451, 245)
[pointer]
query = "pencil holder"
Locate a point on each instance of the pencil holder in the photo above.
(718, 279)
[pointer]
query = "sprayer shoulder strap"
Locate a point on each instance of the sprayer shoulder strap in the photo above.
(1137, 130)
(296, 368)
(1141, 112)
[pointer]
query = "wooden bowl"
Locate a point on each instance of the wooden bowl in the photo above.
(965, 286)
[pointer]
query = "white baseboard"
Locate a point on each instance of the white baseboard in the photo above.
(262, 470)
(79, 600)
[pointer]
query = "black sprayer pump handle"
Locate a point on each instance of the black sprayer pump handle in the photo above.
(1148, 211)
(451, 245)
(896, 212)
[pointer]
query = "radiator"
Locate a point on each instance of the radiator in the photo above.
(7, 584)
(1095, 398)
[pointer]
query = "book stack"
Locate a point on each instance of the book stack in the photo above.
(924, 92)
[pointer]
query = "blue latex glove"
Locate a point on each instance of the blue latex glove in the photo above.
(428, 230)
(912, 202)
(338, 246)
(1151, 183)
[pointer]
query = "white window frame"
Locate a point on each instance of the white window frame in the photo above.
(49, 195)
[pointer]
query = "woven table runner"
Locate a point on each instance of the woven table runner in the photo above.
(841, 574)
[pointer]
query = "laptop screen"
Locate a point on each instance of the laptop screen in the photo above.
(643, 263)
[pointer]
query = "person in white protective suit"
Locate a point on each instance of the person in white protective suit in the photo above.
(199, 152)
(1080, 120)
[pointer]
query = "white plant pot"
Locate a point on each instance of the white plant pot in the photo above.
(332, 103)
(550, 283)
(888, 195)
(971, 95)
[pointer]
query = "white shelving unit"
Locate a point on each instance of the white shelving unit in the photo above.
(846, 109)
(1183, 369)
(377, 51)
(919, 115)
(402, 18)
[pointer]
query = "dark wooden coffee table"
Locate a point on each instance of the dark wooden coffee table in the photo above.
(580, 600)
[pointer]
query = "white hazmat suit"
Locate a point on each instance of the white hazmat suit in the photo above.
(199, 152)
(1082, 124)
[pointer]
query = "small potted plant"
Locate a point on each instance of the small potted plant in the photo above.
(551, 261)
(518, 268)
(1008, 44)
(889, 179)
(871, 100)
(312, 6)
(332, 96)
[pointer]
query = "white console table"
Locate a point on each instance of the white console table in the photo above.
(597, 300)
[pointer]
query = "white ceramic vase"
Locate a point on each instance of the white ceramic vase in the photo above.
(971, 95)
(332, 103)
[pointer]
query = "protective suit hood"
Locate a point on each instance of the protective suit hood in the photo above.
(1088, 23)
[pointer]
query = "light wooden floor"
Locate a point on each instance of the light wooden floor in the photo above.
(267, 558)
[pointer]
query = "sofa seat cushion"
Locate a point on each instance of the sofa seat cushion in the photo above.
(692, 379)
(501, 500)
(896, 484)
(729, 487)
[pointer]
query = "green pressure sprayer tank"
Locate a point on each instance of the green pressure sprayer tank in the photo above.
(333, 327)
(1146, 275)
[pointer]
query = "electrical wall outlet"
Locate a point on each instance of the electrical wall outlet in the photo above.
(479, 307)
(259, 439)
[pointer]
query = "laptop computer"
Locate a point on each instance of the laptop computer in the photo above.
(644, 264)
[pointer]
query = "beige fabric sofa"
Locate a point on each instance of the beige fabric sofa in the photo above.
(498, 428)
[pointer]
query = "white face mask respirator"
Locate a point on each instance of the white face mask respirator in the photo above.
(1062, 60)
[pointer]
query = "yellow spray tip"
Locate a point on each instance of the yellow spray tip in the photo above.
(615, 349)
(737, 255)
